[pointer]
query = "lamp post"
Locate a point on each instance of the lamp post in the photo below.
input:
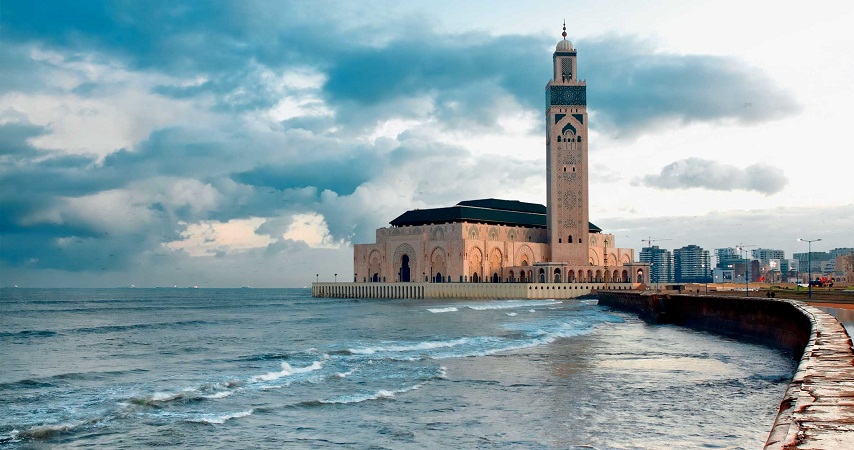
(809, 264)
(336, 277)
(741, 247)
(317, 277)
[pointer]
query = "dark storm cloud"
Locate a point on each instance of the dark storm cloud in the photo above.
(706, 174)
(634, 88)
(372, 73)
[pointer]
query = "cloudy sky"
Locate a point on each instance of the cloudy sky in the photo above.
(252, 143)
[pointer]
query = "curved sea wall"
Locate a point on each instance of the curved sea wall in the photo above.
(817, 410)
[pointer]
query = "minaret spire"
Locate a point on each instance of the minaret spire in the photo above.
(564, 30)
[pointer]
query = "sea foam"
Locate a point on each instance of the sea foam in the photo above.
(287, 370)
(220, 419)
(509, 304)
(427, 345)
(378, 395)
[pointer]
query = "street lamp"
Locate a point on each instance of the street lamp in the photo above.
(809, 264)
(746, 268)
(317, 277)
(336, 277)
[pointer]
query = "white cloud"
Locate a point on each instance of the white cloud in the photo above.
(212, 238)
(96, 107)
(312, 229)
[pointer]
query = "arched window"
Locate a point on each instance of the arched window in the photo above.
(558, 241)
(558, 138)
(569, 239)
(579, 139)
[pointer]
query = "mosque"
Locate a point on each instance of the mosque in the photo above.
(490, 241)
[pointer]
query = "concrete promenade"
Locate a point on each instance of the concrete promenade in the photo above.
(462, 290)
(817, 411)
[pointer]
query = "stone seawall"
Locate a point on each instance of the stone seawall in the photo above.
(817, 411)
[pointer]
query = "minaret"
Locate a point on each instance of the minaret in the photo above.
(566, 158)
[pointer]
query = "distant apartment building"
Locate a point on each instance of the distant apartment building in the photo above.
(765, 255)
(661, 260)
(731, 265)
(726, 257)
(842, 251)
(845, 268)
(821, 262)
(811, 262)
(692, 264)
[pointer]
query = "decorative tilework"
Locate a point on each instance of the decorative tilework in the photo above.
(566, 96)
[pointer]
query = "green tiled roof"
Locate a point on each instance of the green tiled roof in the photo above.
(489, 210)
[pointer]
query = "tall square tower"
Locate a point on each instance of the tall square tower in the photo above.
(566, 159)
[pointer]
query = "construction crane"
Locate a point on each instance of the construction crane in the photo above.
(650, 240)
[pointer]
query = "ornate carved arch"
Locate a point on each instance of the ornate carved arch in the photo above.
(526, 255)
(496, 261)
(437, 261)
(595, 259)
(437, 233)
(375, 266)
(475, 260)
(474, 232)
(406, 249)
(493, 233)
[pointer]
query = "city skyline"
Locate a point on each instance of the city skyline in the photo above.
(234, 144)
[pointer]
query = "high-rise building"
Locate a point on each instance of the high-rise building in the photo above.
(842, 251)
(661, 260)
(727, 257)
(811, 262)
(692, 264)
(765, 255)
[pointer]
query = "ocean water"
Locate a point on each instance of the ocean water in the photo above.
(275, 368)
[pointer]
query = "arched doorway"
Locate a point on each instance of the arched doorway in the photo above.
(375, 278)
(557, 276)
(404, 268)
(640, 276)
(438, 277)
(542, 276)
(495, 277)
(475, 278)
(522, 277)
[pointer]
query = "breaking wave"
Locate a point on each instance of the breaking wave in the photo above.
(220, 419)
(378, 395)
(286, 371)
(510, 304)
(428, 345)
